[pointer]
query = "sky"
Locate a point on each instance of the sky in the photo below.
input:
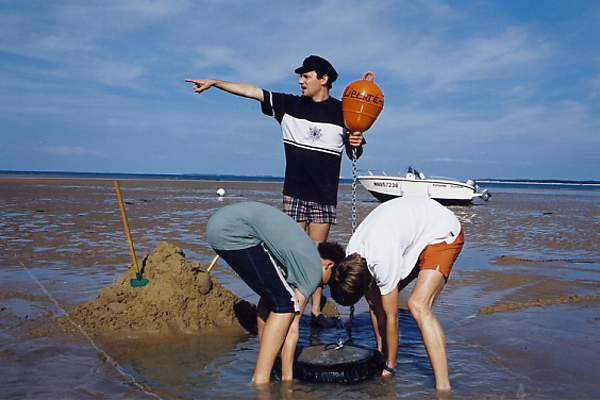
(473, 89)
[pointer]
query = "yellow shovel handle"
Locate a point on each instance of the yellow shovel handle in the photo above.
(212, 263)
(126, 227)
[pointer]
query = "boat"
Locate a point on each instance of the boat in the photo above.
(445, 190)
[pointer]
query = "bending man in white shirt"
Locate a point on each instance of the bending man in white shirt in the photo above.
(400, 240)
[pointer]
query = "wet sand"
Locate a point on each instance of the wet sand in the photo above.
(520, 311)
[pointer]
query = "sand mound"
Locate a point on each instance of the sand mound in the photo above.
(180, 298)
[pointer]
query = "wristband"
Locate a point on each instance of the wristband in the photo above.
(389, 369)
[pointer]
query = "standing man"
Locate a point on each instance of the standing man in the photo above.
(400, 240)
(314, 137)
(268, 250)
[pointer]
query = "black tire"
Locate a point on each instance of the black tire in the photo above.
(329, 364)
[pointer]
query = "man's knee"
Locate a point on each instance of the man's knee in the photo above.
(418, 307)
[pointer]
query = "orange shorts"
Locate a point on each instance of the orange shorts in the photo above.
(441, 256)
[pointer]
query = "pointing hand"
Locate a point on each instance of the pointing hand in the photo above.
(201, 84)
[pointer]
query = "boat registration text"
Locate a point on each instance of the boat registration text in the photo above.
(386, 184)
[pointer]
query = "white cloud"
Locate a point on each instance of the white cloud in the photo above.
(437, 63)
(561, 122)
(116, 74)
(66, 150)
(114, 16)
(385, 36)
(451, 160)
(55, 43)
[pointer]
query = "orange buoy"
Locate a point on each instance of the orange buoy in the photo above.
(361, 103)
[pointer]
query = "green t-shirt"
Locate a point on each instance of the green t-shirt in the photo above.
(243, 225)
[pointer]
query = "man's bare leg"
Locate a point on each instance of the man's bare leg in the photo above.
(429, 285)
(315, 299)
(271, 340)
(317, 233)
(262, 313)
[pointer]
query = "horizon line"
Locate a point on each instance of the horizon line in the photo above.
(276, 177)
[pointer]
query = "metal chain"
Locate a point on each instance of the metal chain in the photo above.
(354, 179)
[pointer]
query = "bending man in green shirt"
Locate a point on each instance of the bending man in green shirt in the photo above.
(270, 252)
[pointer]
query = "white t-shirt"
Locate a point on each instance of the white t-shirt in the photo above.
(394, 234)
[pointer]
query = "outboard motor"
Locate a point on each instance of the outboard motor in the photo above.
(485, 195)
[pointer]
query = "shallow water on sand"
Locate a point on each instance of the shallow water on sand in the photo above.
(521, 246)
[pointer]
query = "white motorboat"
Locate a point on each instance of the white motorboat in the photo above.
(445, 190)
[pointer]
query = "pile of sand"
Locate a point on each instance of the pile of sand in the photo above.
(181, 297)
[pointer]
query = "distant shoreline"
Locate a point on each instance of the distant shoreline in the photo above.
(539, 182)
(138, 176)
(248, 178)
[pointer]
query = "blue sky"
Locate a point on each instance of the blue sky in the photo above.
(505, 89)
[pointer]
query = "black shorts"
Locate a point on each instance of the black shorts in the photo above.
(260, 271)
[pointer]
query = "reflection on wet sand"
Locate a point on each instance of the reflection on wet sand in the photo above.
(174, 360)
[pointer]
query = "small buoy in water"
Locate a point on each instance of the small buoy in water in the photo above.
(220, 192)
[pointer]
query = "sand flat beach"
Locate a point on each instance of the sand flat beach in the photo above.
(521, 310)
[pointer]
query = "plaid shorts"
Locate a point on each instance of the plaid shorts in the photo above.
(309, 211)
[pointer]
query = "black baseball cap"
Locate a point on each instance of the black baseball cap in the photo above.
(318, 64)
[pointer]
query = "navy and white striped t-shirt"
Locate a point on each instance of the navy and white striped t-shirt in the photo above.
(313, 137)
